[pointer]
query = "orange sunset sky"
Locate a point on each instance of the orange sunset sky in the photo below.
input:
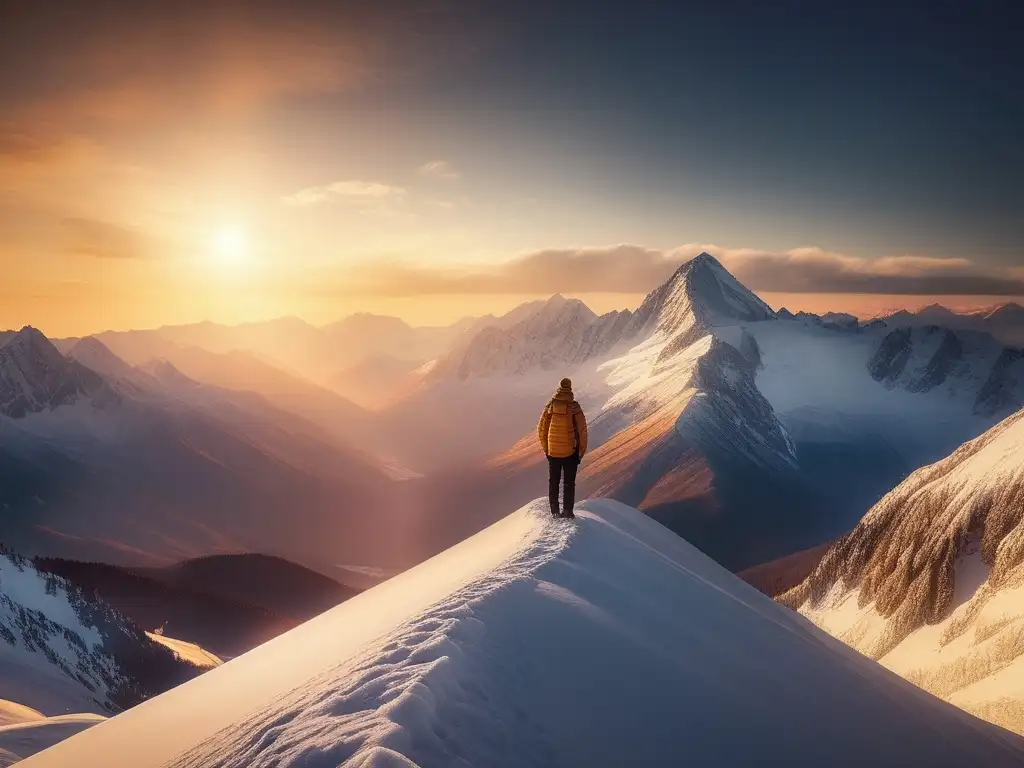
(237, 162)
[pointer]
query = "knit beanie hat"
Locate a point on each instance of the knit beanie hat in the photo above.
(565, 384)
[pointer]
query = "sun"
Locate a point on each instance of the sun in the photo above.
(229, 246)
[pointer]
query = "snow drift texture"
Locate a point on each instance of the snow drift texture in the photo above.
(540, 642)
(931, 582)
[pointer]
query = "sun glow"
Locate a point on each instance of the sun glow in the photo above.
(229, 246)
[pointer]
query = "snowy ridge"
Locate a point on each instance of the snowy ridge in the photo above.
(565, 332)
(558, 332)
(931, 582)
(35, 377)
(541, 642)
(684, 410)
(1005, 322)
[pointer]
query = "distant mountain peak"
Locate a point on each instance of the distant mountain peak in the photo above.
(164, 371)
(35, 376)
(704, 259)
(30, 337)
(89, 348)
(700, 294)
(1009, 309)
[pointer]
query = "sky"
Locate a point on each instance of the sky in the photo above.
(172, 162)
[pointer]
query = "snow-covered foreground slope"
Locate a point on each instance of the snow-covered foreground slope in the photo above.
(931, 582)
(608, 641)
(21, 740)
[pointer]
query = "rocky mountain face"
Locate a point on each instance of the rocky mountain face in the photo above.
(35, 377)
(61, 651)
(925, 358)
(931, 581)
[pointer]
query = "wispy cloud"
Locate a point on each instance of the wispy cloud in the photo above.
(813, 270)
(636, 269)
(361, 192)
(103, 240)
(439, 169)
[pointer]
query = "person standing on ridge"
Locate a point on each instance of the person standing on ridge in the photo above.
(562, 431)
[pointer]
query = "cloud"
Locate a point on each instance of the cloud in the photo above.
(622, 268)
(102, 240)
(636, 269)
(438, 169)
(362, 192)
(813, 270)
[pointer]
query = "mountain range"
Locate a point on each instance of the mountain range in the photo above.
(1004, 321)
(752, 433)
(146, 466)
(704, 404)
(245, 470)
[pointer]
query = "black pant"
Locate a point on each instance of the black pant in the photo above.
(555, 468)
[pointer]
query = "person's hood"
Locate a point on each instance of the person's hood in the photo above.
(561, 399)
(563, 394)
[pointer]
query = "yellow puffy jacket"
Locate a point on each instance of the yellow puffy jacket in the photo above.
(562, 427)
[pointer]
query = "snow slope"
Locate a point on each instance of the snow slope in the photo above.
(21, 740)
(540, 642)
(187, 651)
(61, 652)
(931, 582)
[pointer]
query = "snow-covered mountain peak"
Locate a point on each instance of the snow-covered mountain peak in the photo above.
(558, 309)
(702, 294)
(30, 346)
(35, 376)
(719, 298)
